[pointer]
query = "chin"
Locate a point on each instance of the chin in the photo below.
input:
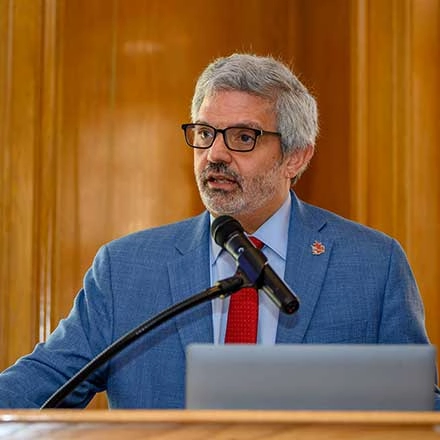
(220, 202)
(218, 209)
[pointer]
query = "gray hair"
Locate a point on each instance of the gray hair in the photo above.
(295, 107)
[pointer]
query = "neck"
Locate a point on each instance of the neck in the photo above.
(251, 222)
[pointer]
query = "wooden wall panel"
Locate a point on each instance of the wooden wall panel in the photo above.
(395, 133)
(85, 179)
(45, 165)
(423, 243)
(382, 52)
(20, 39)
(323, 62)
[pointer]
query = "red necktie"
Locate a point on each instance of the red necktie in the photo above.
(242, 322)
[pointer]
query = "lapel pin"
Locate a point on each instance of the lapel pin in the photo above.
(317, 248)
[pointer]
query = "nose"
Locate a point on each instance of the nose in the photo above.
(219, 152)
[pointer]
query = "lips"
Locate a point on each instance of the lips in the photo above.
(220, 178)
(217, 176)
(220, 181)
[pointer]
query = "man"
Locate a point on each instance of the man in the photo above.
(253, 132)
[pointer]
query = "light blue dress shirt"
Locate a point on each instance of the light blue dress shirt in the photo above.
(273, 233)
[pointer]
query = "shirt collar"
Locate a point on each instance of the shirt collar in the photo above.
(273, 232)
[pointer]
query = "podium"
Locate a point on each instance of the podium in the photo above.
(217, 424)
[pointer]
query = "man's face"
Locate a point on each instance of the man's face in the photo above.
(249, 186)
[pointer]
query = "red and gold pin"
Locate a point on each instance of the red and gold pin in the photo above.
(317, 248)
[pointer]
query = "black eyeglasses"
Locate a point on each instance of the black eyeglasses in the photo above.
(236, 138)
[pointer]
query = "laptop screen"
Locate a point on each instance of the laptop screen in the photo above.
(308, 376)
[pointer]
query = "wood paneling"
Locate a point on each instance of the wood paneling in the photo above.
(395, 133)
(381, 111)
(323, 61)
(20, 77)
(92, 95)
(423, 189)
(45, 181)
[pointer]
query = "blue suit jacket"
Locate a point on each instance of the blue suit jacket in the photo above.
(360, 290)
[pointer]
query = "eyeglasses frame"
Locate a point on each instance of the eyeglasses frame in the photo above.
(258, 132)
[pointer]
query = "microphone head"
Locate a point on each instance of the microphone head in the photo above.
(222, 228)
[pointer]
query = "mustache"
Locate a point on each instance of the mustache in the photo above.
(219, 168)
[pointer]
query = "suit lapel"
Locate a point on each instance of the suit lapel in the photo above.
(305, 272)
(189, 274)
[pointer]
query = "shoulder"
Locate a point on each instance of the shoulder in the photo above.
(324, 219)
(345, 233)
(160, 241)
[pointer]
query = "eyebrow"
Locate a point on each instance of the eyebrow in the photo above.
(243, 124)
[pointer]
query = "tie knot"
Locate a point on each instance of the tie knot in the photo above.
(256, 242)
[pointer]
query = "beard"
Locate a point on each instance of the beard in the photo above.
(248, 194)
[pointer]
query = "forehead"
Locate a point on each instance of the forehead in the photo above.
(226, 107)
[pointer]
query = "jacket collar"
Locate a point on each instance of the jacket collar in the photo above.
(189, 274)
(308, 254)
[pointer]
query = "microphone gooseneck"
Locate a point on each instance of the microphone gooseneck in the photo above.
(220, 289)
(229, 234)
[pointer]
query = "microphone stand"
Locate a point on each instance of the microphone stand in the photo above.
(222, 288)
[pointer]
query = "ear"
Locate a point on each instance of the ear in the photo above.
(298, 160)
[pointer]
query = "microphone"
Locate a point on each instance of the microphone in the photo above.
(229, 234)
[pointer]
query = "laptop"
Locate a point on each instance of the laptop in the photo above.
(311, 377)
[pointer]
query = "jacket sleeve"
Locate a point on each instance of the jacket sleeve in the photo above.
(403, 318)
(77, 339)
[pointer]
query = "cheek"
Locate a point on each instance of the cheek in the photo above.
(259, 166)
(199, 160)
